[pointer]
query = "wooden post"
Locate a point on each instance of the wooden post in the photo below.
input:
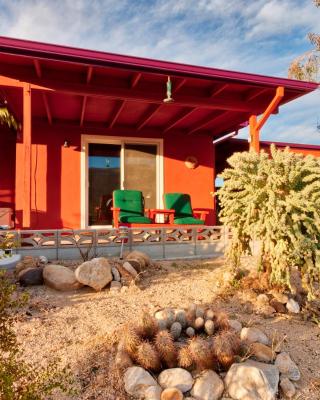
(254, 134)
(23, 164)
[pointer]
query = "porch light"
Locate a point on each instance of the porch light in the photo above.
(66, 144)
(169, 99)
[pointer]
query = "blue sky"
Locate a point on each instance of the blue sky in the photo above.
(260, 36)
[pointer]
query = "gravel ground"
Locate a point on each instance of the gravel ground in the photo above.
(77, 326)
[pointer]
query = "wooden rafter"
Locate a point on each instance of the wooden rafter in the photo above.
(116, 113)
(205, 121)
(148, 115)
(85, 97)
(44, 95)
(179, 118)
(135, 79)
(178, 85)
(217, 90)
(255, 94)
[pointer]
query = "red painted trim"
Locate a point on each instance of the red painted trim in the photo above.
(71, 54)
(283, 144)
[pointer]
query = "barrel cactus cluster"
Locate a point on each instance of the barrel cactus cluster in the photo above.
(194, 339)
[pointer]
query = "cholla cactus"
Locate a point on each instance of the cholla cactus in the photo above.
(165, 346)
(148, 357)
(275, 200)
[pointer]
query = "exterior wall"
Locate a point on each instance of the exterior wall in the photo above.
(7, 170)
(55, 172)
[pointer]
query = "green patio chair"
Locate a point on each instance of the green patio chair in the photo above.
(184, 214)
(128, 209)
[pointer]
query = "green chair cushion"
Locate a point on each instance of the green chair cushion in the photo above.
(188, 221)
(180, 203)
(130, 219)
(130, 202)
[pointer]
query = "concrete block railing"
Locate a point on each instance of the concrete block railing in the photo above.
(159, 243)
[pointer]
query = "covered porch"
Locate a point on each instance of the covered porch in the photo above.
(93, 122)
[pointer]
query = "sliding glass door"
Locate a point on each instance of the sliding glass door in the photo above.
(124, 165)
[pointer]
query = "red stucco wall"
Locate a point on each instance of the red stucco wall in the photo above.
(7, 170)
(55, 185)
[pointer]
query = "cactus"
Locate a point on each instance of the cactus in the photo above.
(123, 360)
(198, 323)
(209, 327)
(175, 330)
(209, 314)
(185, 359)
(165, 346)
(190, 332)
(131, 340)
(167, 315)
(226, 347)
(181, 317)
(199, 312)
(221, 321)
(201, 353)
(148, 357)
(148, 326)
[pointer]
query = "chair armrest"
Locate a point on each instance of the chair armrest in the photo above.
(201, 213)
(157, 211)
(116, 214)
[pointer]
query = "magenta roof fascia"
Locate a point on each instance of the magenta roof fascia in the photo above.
(284, 144)
(72, 54)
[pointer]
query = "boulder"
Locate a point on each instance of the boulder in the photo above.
(266, 310)
(287, 387)
(262, 352)
(143, 258)
(262, 300)
(171, 394)
(60, 278)
(137, 381)
(177, 378)
(130, 269)
(31, 277)
(287, 366)
(115, 286)
(95, 273)
(115, 274)
(293, 306)
(252, 335)
(153, 393)
(26, 262)
(280, 297)
(208, 386)
(43, 260)
(279, 307)
(252, 380)
(235, 325)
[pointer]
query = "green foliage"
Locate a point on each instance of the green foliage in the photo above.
(20, 380)
(275, 200)
(6, 118)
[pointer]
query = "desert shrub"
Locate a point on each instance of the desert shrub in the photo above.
(20, 380)
(274, 199)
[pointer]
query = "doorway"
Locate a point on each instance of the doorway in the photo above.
(111, 164)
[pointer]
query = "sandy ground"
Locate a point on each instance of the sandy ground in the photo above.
(76, 326)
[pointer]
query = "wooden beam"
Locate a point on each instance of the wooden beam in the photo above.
(179, 85)
(10, 82)
(135, 79)
(117, 111)
(148, 115)
(218, 90)
(89, 74)
(256, 94)
(205, 121)
(83, 109)
(180, 118)
(45, 100)
(37, 67)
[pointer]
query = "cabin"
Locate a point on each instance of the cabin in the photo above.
(93, 122)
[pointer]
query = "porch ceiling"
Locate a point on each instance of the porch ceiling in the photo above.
(87, 88)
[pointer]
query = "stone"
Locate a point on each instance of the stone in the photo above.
(248, 307)
(115, 286)
(208, 386)
(153, 393)
(31, 277)
(280, 297)
(60, 278)
(209, 327)
(296, 282)
(26, 262)
(278, 306)
(266, 310)
(190, 332)
(287, 387)
(262, 299)
(235, 325)
(293, 306)
(177, 378)
(95, 273)
(43, 260)
(171, 394)
(176, 330)
(252, 380)
(129, 268)
(137, 380)
(252, 335)
(262, 352)
(167, 315)
(287, 366)
(115, 274)
(144, 259)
